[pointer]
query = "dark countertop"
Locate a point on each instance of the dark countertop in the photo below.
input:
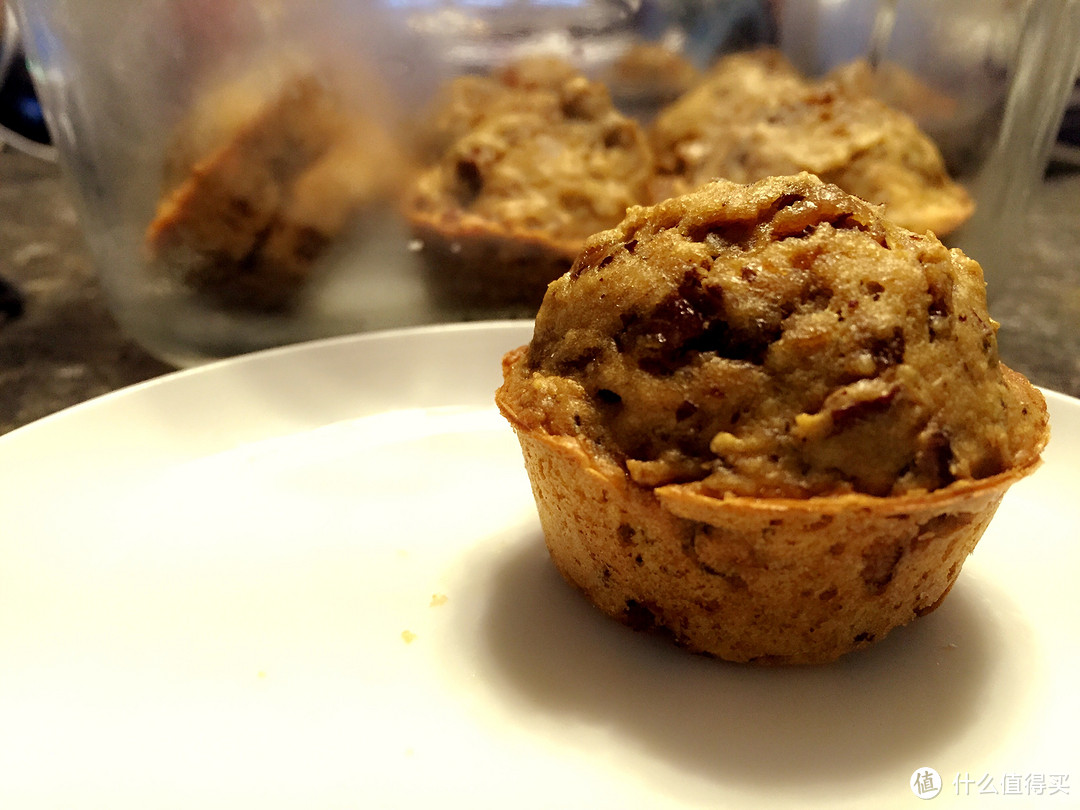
(64, 347)
(1038, 305)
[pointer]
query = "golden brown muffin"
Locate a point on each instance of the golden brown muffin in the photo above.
(259, 186)
(544, 163)
(467, 101)
(768, 420)
(754, 116)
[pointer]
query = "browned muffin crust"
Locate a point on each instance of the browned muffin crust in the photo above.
(768, 581)
(781, 339)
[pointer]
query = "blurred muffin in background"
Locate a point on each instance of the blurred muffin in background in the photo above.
(259, 183)
(754, 116)
(534, 159)
(647, 76)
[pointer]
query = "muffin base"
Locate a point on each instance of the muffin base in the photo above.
(770, 581)
(478, 269)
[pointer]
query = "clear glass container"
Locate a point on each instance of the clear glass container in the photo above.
(251, 173)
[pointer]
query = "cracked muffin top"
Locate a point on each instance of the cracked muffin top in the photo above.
(780, 339)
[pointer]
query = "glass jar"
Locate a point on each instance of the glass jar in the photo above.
(251, 173)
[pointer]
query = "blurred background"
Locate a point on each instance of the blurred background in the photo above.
(88, 107)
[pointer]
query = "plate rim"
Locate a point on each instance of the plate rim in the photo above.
(360, 342)
(271, 355)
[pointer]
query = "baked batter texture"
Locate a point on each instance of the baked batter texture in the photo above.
(768, 420)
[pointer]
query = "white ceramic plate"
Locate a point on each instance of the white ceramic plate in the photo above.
(314, 578)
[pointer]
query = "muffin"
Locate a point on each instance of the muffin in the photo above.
(465, 102)
(259, 184)
(767, 420)
(648, 76)
(754, 116)
(544, 162)
(896, 86)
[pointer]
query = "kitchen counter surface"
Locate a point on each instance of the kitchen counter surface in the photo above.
(63, 347)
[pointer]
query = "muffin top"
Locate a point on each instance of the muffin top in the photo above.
(779, 339)
(469, 100)
(754, 116)
(538, 149)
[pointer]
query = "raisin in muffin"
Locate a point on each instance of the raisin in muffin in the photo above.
(768, 420)
(754, 116)
(542, 163)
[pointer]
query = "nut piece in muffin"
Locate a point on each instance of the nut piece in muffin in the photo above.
(755, 116)
(539, 159)
(259, 184)
(768, 420)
